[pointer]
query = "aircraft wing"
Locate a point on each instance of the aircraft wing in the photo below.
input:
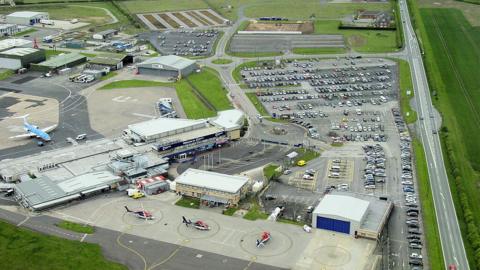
(23, 136)
(50, 128)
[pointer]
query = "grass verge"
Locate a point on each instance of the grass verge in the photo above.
(258, 105)
(189, 202)
(230, 211)
(306, 154)
(318, 50)
(270, 171)
(132, 84)
(289, 221)
(111, 74)
(406, 91)
(254, 54)
(26, 32)
(6, 73)
(434, 248)
(25, 249)
(75, 227)
(222, 61)
(255, 212)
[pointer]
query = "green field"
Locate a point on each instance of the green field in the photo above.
(75, 227)
(27, 250)
(139, 6)
(254, 54)
(201, 94)
(222, 61)
(307, 9)
(360, 40)
(318, 50)
(230, 211)
(208, 84)
(434, 247)
(409, 114)
(188, 202)
(452, 57)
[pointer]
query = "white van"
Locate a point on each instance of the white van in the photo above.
(81, 137)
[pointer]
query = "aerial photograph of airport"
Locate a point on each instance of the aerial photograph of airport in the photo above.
(240, 134)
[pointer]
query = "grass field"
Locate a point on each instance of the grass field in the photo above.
(189, 202)
(6, 73)
(434, 248)
(360, 40)
(75, 227)
(255, 212)
(139, 6)
(406, 85)
(208, 84)
(222, 61)
(230, 211)
(27, 250)
(254, 54)
(452, 69)
(318, 50)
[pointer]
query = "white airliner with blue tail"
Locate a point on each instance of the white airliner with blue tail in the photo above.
(34, 132)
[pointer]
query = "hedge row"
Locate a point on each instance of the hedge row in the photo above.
(473, 233)
(127, 14)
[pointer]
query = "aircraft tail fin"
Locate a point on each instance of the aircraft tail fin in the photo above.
(24, 117)
(186, 221)
(128, 210)
(258, 242)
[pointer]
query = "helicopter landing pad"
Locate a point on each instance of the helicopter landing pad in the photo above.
(190, 232)
(278, 244)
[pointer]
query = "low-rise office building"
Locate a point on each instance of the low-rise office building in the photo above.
(211, 187)
(8, 29)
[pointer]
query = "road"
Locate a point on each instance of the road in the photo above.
(450, 235)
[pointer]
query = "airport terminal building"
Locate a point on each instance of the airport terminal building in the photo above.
(181, 138)
(355, 214)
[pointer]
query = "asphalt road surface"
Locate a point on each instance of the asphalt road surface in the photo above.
(450, 235)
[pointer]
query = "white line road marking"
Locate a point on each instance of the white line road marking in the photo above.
(83, 237)
(23, 221)
(144, 115)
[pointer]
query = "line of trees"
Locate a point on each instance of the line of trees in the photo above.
(473, 234)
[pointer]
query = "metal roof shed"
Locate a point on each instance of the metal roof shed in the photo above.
(169, 65)
(60, 61)
(212, 180)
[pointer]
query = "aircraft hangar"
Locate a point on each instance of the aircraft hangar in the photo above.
(355, 214)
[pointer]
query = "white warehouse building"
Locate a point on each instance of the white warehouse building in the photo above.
(26, 17)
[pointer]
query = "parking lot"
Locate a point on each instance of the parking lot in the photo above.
(185, 42)
(340, 100)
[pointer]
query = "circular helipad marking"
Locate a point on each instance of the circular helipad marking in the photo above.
(278, 244)
(332, 256)
(193, 233)
(132, 219)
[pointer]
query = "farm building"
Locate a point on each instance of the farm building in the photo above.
(6, 44)
(17, 58)
(105, 34)
(111, 61)
(354, 214)
(8, 30)
(59, 62)
(167, 66)
(26, 17)
(211, 187)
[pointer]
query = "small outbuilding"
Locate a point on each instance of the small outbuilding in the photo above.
(105, 34)
(26, 17)
(167, 66)
(17, 58)
(60, 61)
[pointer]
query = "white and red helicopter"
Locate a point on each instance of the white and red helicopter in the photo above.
(198, 224)
(265, 238)
(143, 214)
